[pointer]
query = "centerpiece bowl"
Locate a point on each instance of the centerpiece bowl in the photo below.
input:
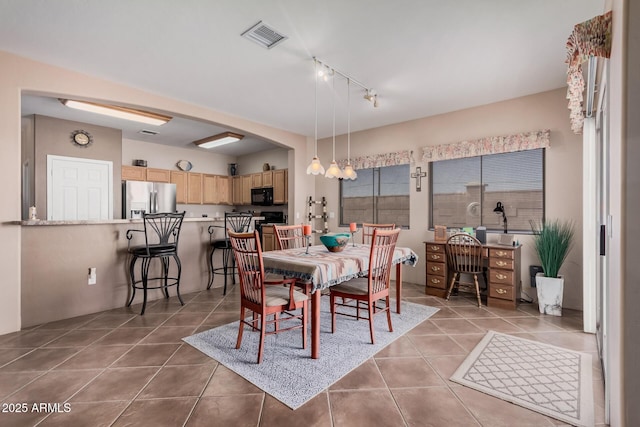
(335, 242)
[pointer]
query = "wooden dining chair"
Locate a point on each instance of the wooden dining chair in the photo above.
(265, 299)
(371, 289)
(465, 255)
(367, 230)
(289, 237)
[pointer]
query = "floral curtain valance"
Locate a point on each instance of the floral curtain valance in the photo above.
(379, 160)
(589, 38)
(491, 145)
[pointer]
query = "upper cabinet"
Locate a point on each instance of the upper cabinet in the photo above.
(194, 188)
(134, 173)
(179, 178)
(158, 175)
(280, 189)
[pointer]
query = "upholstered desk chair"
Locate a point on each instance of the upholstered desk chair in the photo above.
(262, 298)
(371, 289)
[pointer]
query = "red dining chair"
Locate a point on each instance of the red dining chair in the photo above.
(263, 298)
(371, 289)
(367, 230)
(289, 237)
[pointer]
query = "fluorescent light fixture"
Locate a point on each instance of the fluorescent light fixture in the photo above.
(119, 112)
(218, 140)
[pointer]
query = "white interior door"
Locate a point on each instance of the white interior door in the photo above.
(79, 189)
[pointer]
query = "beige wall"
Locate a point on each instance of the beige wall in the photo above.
(541, 111)
(20, 74)
(53, 136)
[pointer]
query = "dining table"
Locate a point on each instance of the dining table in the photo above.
(322, 268)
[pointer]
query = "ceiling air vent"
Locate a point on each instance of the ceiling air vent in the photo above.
(147, 132)
(264, 35)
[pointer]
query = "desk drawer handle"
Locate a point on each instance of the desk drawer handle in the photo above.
(435, 268)
(436, 281)
(501, 253)
(501, 291)
(435, 256)
(501, 263)
(435, 248)
(501, 276)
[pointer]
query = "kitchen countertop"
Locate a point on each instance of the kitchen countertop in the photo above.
(108, 221)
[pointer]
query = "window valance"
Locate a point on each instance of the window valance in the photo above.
(379, 160)
(589, 38)
(489, 145)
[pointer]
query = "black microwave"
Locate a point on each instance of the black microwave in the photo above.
(262, 196)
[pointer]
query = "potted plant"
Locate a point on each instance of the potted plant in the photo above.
(552, 242)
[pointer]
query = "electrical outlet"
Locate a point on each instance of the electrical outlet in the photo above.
(92, 277)
(332, 215)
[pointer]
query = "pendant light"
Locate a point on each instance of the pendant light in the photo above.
(315, 167)
(334, 171)
(349, 172)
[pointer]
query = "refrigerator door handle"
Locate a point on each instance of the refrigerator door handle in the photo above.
(153, 207)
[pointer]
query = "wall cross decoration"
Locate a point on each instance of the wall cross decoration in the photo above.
(418, 175)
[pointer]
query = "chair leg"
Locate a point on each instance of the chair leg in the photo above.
(179, 264)
(211, 273)
(305, 306)
(165, 271)
(332, 301)
(475, 279)
(389, 315)
(145, 276)
(263, 327)
(453, 282)
(133, 279)
(240, 328)
(225, 263)
(370, 309)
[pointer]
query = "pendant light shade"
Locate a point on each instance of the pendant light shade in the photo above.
(315, 167)
(334, 171)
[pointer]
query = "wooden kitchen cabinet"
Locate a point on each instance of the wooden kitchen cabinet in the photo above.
(209, 192)
(268, 238)
(236, 190)
(158, 175)
(133, 173)
(279, 186)
(267, 179)
(194, 188)
(437, 272)
(223, 188)
(256, 180)
(246, 189)
(179, 178)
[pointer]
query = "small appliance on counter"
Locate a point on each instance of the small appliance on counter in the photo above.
(139, 197)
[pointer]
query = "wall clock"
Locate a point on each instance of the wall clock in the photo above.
(81, 138)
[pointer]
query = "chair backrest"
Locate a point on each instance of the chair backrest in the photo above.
(289, 236)
(383, 244)
(237, 222)
(367, 230)
(465, 253)
(162, 228)
(248, 255)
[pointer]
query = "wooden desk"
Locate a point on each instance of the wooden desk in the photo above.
(504, 273)
(324, 269)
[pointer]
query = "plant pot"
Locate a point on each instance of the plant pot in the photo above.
(550, 290)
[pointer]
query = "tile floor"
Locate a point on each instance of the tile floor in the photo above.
(118, 368)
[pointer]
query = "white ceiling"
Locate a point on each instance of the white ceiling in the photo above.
(423, 57)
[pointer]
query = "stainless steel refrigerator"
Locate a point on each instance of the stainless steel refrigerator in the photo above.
(139, 197)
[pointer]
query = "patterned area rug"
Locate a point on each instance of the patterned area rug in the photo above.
(287, 372)
(551, 380)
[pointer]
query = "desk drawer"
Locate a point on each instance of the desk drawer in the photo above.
(436, 281)
(503, 277)
(436, 268)
(500, 253)
(435, 248)
(501, 291)
(436, 256)
(506, 264)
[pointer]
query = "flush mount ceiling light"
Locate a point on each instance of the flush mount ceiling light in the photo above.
(132, 114)
(218, 140)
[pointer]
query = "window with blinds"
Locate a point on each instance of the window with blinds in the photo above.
(464, 192)
(378, 195)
